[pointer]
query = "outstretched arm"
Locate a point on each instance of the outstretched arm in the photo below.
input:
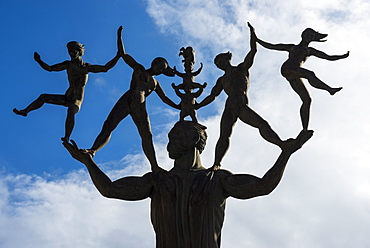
(106, 67)
(127, 188)
(57, 67)
(323, 55)
(216, 90)
(279, 47)
(248, 186)
(164, 98)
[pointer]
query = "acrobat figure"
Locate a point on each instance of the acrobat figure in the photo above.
(133, 103)
(235, 83)
(293, 72)
(188, 100)
(77, 71)
(188, 54)
(188, 77)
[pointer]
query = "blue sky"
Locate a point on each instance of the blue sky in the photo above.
(47, 199)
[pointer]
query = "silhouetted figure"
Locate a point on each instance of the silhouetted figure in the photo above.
(293, 72)
(235, 83)
(77, 71)
(188, 101)
(133, 103)
(188, 202)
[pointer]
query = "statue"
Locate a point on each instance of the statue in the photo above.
(133, 103)
(235, 83)
(188, 202)
(293, 72)
(77, 71)
(188, 98)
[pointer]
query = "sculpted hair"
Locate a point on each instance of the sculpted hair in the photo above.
(193, 129)
(72, 45)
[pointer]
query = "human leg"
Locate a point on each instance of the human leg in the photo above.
(227, 123)
(120, 110)
(39, 102)
(298, 86)
(141, 120)
(250, 117)
(313, 80)
(70, 121)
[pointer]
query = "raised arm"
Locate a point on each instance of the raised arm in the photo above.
(323, 55)
(216, 90)
(130, 61)
(249, 58)
(57, 67)
(248, 186)
(127, 188)
(243, 186)
(164, 98)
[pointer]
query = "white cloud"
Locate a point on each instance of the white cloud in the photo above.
(323, 199)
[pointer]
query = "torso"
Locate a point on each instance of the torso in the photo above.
(77, 77)
(235, 84)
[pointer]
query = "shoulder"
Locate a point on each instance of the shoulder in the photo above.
(223, 173)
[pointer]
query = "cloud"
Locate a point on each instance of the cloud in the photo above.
(323, 199)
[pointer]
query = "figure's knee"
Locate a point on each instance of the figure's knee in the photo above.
(145, 134)
(72, 110)
(264, 125)
(307, 101)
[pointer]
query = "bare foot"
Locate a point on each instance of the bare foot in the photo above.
(292, 145)
(20, 112)
(335, 90)
(215, 167)
(88, 151)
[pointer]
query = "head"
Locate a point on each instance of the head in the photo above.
(184, 136)
(222, 60)
(75, 49)
(311, 35)
(160, 66)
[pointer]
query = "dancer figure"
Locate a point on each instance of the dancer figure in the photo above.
(293, 72)
(235, 83)
(133, 103)
(77, 71)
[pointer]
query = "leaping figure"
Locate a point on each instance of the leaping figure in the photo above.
(293, 72)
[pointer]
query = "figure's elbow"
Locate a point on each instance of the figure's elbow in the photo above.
(106, 193)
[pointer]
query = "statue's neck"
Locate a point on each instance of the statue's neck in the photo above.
(189, 162)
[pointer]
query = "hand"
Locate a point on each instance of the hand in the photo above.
(345, 55)
(250, 27)
(36, 57)
(121, 50)
(78, 154)
(253, 33)
(119, 31)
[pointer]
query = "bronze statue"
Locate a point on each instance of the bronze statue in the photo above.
(235, 83)
(133, 103)
(188, 202)
(188, 98)
(293, 72)
(77, 71)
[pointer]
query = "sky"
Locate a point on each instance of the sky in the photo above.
(47, 198)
